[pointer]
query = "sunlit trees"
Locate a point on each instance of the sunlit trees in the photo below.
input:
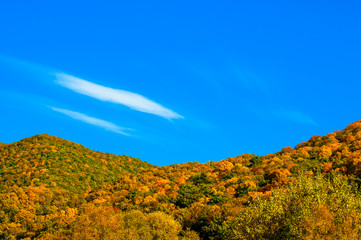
(51, 188)
(308, 209)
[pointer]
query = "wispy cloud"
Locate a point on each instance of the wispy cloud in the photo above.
(93, 121)
(295, 116)
(107, 94)
(279, 113)
(250, 80)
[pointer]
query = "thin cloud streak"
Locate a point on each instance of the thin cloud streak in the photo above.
(92, 120)
(295, 116)
(250, 81)
(107, 94)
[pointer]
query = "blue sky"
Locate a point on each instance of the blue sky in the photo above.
(178, 81)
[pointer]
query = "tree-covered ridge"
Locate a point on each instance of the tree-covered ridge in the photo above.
(3, 145)
(44, 159)
(55, 189)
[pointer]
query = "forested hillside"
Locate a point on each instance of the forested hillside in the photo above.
(55, 189)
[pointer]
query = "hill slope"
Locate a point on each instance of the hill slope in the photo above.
(55, 189)
(44, 159)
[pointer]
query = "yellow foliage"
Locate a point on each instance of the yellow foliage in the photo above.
(319, 225)
(250, 184)
(279, 175)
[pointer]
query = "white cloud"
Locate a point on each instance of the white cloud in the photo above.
(92, 120)
(107, 94)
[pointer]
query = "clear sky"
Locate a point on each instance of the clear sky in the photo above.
(178, 81)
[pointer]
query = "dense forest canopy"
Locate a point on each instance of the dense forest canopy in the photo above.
(52, 188)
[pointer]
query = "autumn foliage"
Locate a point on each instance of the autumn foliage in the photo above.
(55, 189)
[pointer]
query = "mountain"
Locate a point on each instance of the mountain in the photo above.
(52, 188)
(45, 159)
